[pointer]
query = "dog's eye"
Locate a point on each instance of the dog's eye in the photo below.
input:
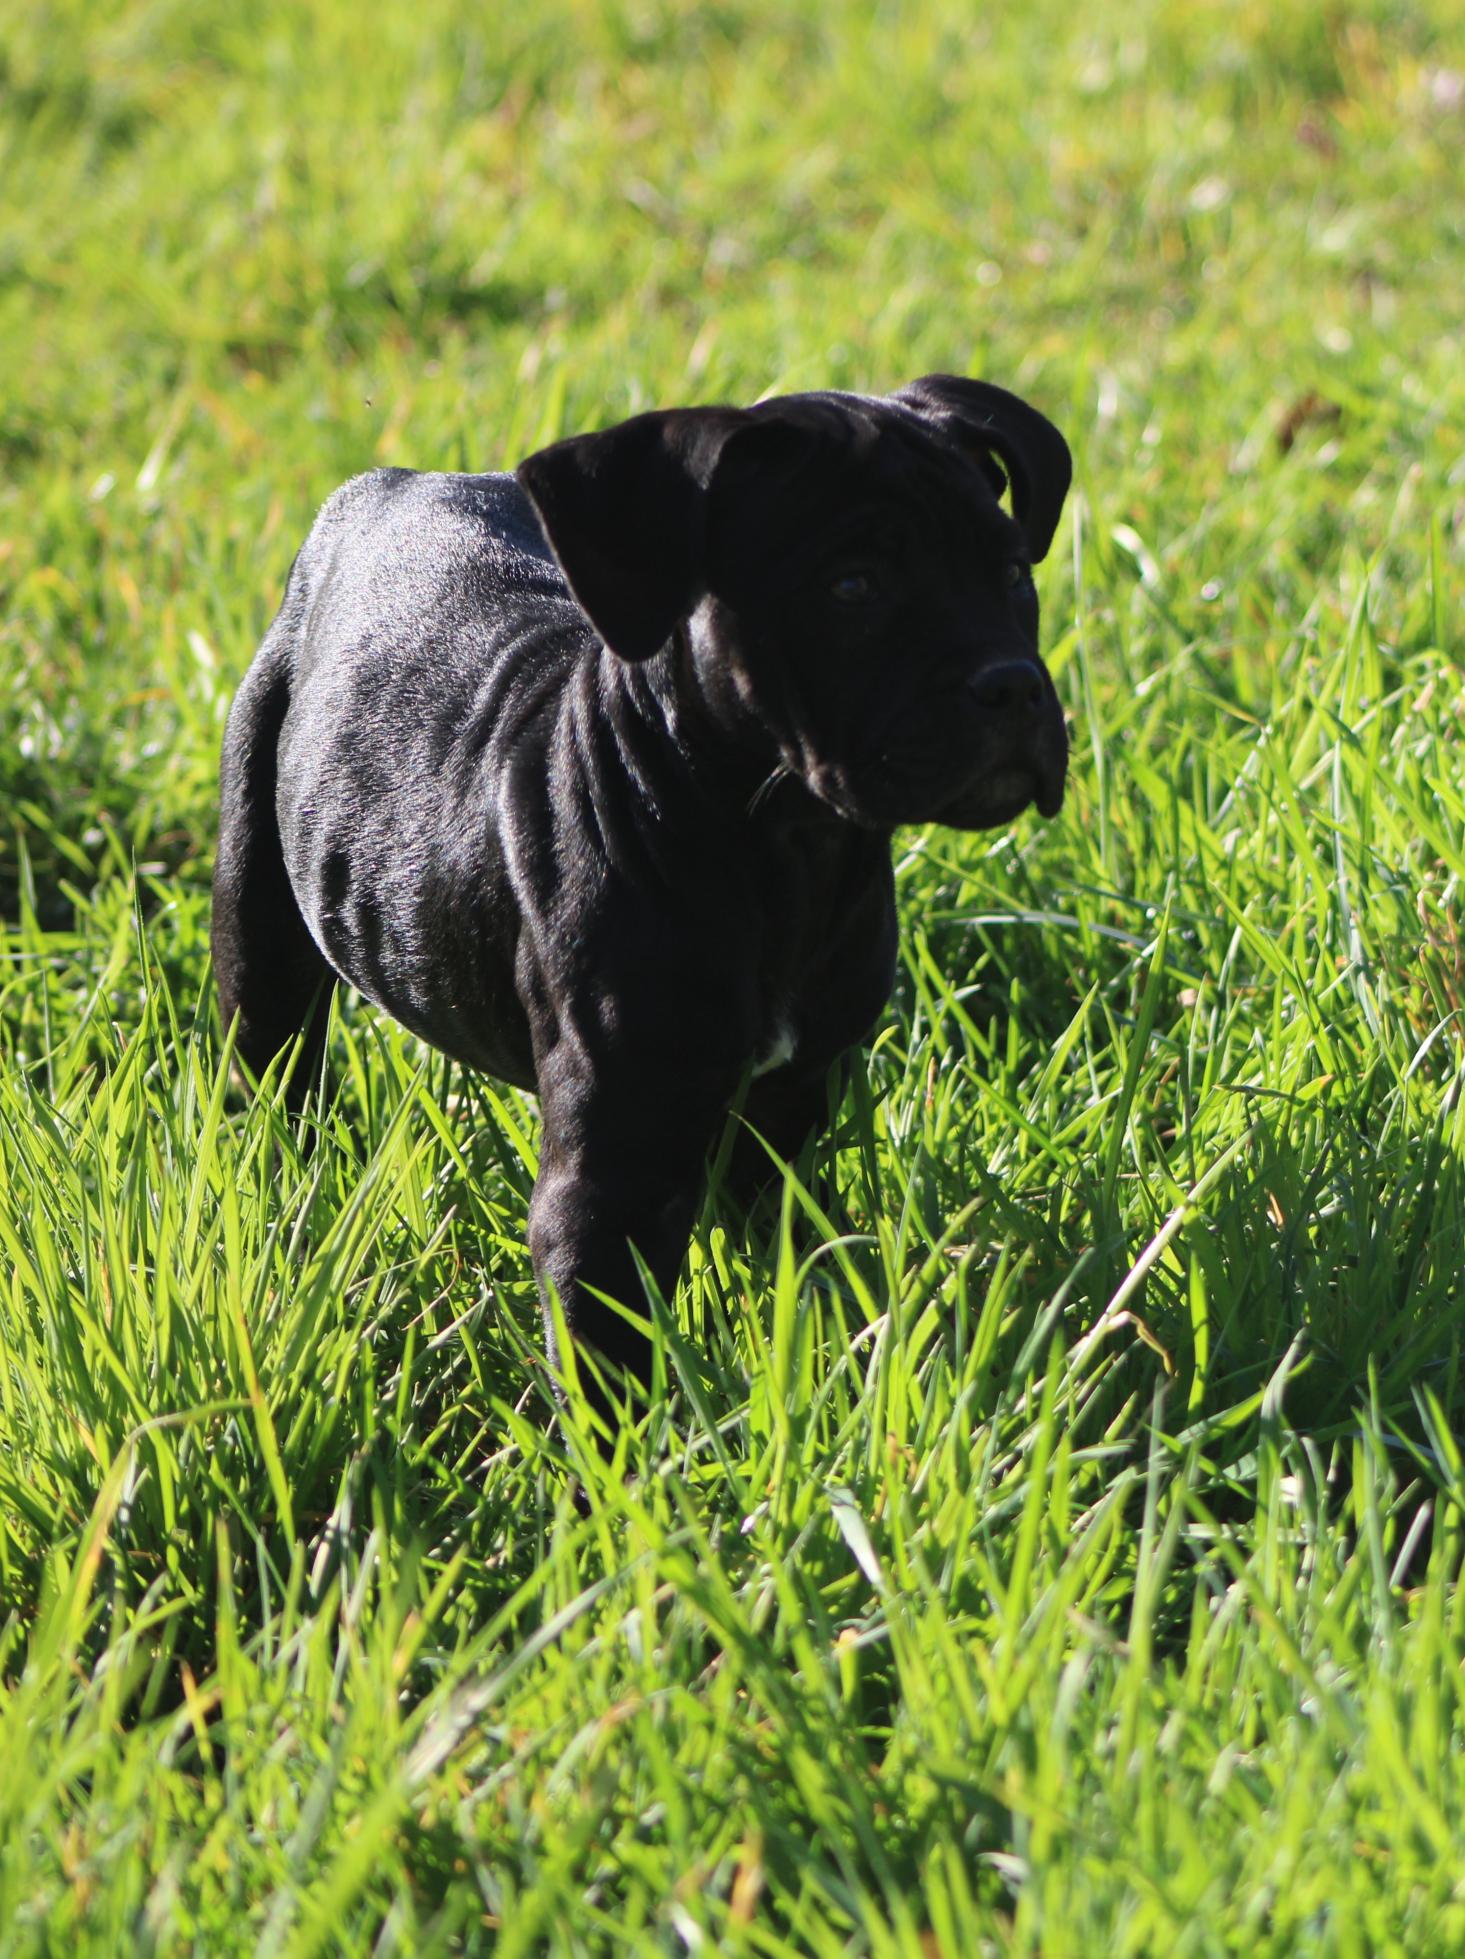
(1018, 571)
(853, 587)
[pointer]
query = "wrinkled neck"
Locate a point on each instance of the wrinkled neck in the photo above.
(710, 744)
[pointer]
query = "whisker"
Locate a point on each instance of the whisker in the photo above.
(767, 786)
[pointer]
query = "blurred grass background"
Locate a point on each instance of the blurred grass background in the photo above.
(1065, 1560)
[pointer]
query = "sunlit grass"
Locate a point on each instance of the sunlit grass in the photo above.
(1048, 1540)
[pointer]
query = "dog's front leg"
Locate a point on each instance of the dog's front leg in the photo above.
(618, 1170)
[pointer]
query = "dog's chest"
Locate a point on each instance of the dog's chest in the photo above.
(780, 1047)
(822, 971)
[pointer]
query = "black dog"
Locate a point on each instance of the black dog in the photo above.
(588, 774)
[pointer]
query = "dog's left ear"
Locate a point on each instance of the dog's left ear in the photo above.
(1034, 453)
(624, 513)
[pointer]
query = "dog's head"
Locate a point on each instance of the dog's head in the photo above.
(854, 593)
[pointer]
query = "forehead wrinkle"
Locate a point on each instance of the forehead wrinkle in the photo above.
(942, 485)
(847, 422)
(889, 474)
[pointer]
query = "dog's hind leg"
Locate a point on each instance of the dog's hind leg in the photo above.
(267, 967)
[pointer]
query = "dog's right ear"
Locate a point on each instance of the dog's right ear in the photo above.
(624, 513)
(1030, 449)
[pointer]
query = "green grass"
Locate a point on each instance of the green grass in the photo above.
(1061, 1553)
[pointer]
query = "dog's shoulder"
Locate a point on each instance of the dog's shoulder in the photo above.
(488, 510)
(396, 539)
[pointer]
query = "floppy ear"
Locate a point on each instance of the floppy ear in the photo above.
(624, 515)
(1032, 451)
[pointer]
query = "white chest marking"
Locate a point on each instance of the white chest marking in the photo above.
(781, 1049)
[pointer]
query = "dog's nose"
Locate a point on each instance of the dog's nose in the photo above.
(1015, 687)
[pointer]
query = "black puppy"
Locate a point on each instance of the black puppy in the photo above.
(588, 774)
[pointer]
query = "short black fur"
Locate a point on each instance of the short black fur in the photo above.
(588, 774)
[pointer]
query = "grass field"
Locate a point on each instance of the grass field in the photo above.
(1063, 1555)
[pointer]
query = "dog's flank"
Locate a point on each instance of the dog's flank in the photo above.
(588, 775)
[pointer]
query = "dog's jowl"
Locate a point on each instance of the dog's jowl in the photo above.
(588, 774)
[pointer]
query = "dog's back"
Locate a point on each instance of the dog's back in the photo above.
(438, 592)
